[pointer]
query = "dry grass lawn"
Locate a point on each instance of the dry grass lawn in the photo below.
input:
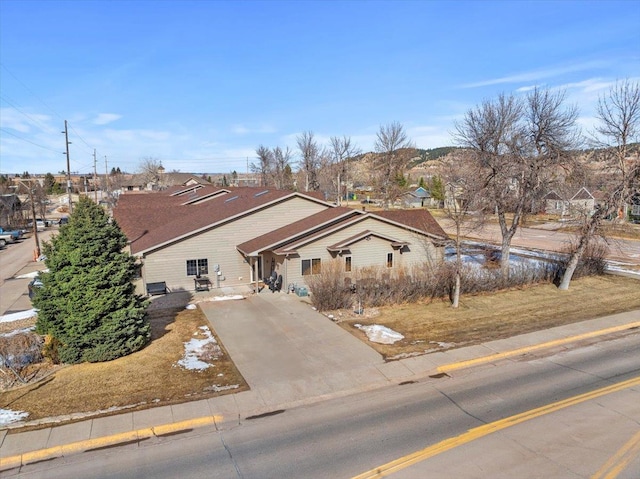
(433, 326)
(148, 377)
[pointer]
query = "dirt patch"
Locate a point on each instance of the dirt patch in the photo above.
(434, 326)
(141, 380)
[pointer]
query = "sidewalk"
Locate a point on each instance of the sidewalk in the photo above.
(311, 359)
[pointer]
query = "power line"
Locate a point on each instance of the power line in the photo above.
(30, 91)
(28, 141)
(36, 122)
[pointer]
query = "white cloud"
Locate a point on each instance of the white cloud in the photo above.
(106, 118)
(536, 75)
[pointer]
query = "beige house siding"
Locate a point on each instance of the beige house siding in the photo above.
(218, 246)
(364, 253)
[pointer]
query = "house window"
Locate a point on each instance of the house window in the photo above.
(389, 260)
(635, 210)
(311, 266)
(347, 264)
(197, 267)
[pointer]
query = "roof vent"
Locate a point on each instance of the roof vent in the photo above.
(231, 199)
(261, 193)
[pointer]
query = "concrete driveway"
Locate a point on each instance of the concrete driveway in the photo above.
(288, 352)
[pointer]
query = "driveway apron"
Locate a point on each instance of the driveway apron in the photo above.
(288, 352)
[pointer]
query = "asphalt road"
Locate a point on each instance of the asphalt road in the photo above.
(15, 258)
(546, 238)
(355, 435)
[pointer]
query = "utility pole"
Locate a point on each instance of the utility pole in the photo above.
(66, 139)
(36, 252)
(95, 176)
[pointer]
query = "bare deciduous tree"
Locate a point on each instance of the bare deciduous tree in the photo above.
(341, 150)
(618, 115)
(310, 159)
(461, 184)
(517, 144)
(390, 163)
(264, 165)
(281, 171)
(149, 170)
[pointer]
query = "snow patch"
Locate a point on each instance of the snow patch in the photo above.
(17, 331)
(191, 306)
(8, 318)
(380, 334)
(198, 351)
(7, 416)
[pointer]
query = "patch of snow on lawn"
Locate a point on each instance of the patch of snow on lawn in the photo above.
(380, 334)
(7, 416)
(8, 318)
(191, 306)
(196, 350)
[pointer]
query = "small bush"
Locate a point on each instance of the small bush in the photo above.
(18, 351)
(380, 286)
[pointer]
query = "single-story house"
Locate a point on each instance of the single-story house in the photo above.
(581, 201)
(419, 198)
(238, 236)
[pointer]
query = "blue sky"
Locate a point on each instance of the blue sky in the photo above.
(200, 85)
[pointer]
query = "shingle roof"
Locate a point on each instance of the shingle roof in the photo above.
(306, 226)
(155, 219)
(418, 219)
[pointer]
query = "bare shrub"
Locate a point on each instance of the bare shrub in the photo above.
(380, 286)
(18, 351)
(592, 261)
(330, 290)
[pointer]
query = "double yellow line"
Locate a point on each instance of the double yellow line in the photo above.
(478, 432)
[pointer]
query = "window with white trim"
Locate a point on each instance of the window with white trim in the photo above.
(311, 266)
(196, 267)
(347, 264)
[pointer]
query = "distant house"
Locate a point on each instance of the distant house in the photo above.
(10, 210)
(582, 201)
(237, 236)
(419, 198)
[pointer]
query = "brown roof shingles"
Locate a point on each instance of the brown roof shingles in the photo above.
(157, 218)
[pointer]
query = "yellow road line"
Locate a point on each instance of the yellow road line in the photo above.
(478, 432)
(18, 460)
(527, 349)
(620, 460)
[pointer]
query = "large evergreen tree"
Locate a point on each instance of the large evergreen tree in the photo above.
(88, 305)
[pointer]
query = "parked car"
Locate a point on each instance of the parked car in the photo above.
(64, 220)
(17, 234)
(40, 224)
(6, 238)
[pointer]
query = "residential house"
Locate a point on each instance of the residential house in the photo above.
(237, 236)
(419, 198)
(582, 201)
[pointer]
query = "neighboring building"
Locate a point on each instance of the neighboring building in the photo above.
(10, 210)
(419, 198)
(237, 236)
(582, 201)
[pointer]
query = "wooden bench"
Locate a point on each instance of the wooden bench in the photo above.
(156, 288)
